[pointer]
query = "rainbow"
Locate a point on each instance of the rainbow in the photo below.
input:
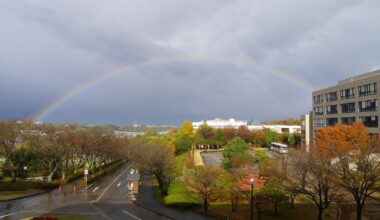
(162, 60)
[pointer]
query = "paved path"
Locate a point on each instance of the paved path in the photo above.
(146, 200)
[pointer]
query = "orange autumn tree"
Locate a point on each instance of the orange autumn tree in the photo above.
(342, 139)
(238, 185)
(245, 181)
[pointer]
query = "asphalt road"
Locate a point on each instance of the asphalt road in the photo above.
(106, 199)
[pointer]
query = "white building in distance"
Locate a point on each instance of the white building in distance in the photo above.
(277, 128)
(221, 123)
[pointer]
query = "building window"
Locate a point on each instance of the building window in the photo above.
(369, 89)
(318, 99)
(348, 107)
(318, 121)
(318, 110)
(331, 121)
(348, 120)
(330, 97)
(331, 109)
(368, 105)
(347, 93)
(370, 121)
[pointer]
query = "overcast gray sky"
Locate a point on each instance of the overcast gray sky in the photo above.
(184, 59)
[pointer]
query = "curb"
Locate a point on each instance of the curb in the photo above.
(26, 196)
(154, 211)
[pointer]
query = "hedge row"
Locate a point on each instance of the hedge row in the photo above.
(111, 167)
(25, 184)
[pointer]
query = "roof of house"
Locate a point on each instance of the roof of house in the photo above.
(133, 177)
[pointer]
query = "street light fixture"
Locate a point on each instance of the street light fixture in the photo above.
(25, 171)
(252, 181)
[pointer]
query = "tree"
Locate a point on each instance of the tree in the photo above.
(342, 139)
(206, 182)
(46, 146)
(274, 193)
(291, 140)
(244, 133)
(359, 175)
(235, 148)
(205, 132)
(258, 138)
(229, 133)
(185, 137)
(187, 130)
(354, 166)
(182, 144)
(270, 136)
(26, 160)
(314, 175)
(260, 157)
(154, 157)
(10, 137)
(293, 190)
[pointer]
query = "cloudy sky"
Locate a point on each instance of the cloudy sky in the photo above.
(159, 61)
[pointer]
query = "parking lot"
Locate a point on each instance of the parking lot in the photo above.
(212, 158)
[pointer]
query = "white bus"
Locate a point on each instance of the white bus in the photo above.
(278, 147)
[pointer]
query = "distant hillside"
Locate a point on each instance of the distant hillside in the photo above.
(289, 121)
(140, 128)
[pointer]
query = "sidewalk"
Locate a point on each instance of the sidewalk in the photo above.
(146, 200)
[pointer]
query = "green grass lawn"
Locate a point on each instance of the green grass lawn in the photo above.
(301, 211)
(7, 195)
(178, 196)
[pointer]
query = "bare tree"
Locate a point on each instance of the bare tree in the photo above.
(359, 174)
(154, 158)
(10, 137)
(206, 181)
(314, 175)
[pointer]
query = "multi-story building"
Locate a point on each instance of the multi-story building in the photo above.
(281, 129)
(307, 130)
(352, 100)
(221, 123)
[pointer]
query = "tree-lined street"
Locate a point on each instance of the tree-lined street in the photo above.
(106, 199)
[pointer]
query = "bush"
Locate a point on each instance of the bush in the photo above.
(111, 168)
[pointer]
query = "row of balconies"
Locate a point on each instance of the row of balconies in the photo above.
(346, 111)
(344, 97)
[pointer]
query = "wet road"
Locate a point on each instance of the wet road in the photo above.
(106, 199)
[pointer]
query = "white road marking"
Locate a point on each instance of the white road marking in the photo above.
(96, 188)
(105, 190)
(3, 216)
(118, 184)
(133, 216)
(89, 185)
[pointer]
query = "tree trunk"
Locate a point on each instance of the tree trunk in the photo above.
(258, 212)
(358, 211)
(275, 209)
(205, 205)
(320, 213)
(234, 201)
(292, 202)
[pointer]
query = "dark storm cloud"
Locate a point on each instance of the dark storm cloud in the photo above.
(48, 48)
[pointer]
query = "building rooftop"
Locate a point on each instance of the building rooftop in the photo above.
(360, 77)
(133, 176)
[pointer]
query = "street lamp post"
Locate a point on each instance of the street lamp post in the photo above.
(25, 171)
(252, 181)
